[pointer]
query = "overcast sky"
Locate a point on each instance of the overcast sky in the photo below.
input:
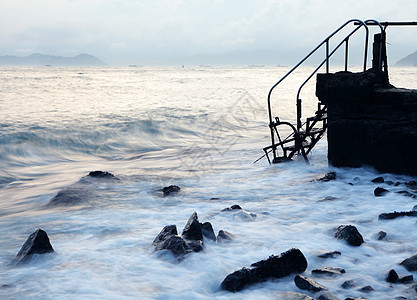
(145, 32)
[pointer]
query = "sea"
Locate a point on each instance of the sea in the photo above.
(202, 129)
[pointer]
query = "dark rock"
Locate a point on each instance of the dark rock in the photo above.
(291, 261)
(366, 289)
(356, 298)
(350, 234)
(170, 190)
(331, 254)
(396, 214)
(406, 279)
(328, 198)
(194, 246)
(192, 230)
(168, 239)
(328, 177)
(389, 182)
(293, 296)
(37, 243)
(379, 192)
(224, 236)
(101, 174)
(410, 263)
(308, 284)
(329, 271)
(378, 180)
(414, 208)
(207, 231)
(74, 195)
(392, 276)
(348, 284)
(233, 207)
(381, 235)
(407, 193)
(411, 184)
(326, 295)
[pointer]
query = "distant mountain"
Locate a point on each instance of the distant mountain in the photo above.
(408, 61)
(36, 59)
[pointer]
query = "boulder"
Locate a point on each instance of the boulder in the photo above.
(406, 279)
(37, 243)
(330, 271)
(379, 192)
(392, 276)
(168, 239)
(397, 214)
(74, 195)
(350, 234)
(348, 284)
(381, 235)
(326, 295)
(192, 230)
(170, 190)
(194, 246)
(331, 254)
(327, 177)
(224, 236)
(366, 289)
(291, 261)
(308, 284)
(233, 207)
(102, 175)
(378, 180)
(410, 263)
(207, 231)
(293, 296)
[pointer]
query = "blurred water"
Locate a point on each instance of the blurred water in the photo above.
(201, 129)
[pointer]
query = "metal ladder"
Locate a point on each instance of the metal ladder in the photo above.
(305, 135)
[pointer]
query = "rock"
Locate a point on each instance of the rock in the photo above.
(379, 192)
(326, 295)
(233, 207)
(410, 263)
(101, 174)
(366, 289)
(331, 254)
(308, 284)
(194, 246)
(356, 298)
(293, 296)
(74, 195)
(406, 279)
(407, 193)
(168, 239)
(192, 230)
(348, 284)
(329, 271)
(245, 216)
(207, 231)
(291, 261)
(328, 198)
(170, 190)
(378, 180)
(381, 235)
(396, 214)
(328, 177)
(350, 234)
(392, 276)
(414, 208)
(224, 236)
(37, 243)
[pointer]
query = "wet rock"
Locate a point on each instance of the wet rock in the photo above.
(332, 254)
(407, 193)
(233, 207)
(102, 175)
(207, 231)
(245, 216)
(406, 279)
(194, 246)
(291, 261)
(328, 177)
(168, 239)
(397, 214)
(392, 276)
(366, 289)
(69, 196)
(410, 263)
(293, 296)
(379, 192)
(326, 295)
(378, 180)
(328, 198)
(381, 235)
(348, 284)
(224, 236)
(37, 243)
(356, 298)
(170, 190)
(350, 234)
(192, 230)
(329, 271)
(308, 284)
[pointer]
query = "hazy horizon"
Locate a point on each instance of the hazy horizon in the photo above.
(124, 32)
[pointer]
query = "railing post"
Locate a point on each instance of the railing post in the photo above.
(346, 53)
(299, 114)
(327, 56)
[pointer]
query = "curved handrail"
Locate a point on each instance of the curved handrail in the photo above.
(311, 53)
(382, 33)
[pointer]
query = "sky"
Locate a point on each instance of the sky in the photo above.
(147, 32)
